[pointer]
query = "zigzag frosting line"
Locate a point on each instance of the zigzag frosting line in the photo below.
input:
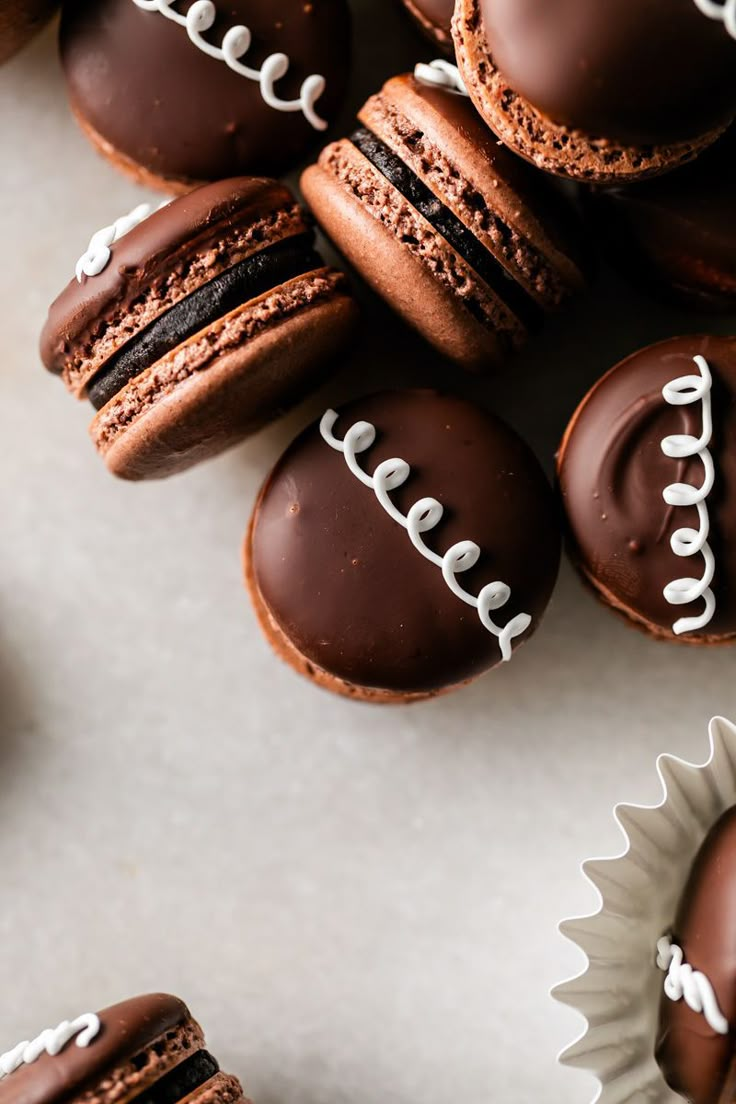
(97, 255)
(684, 983)
(725, 12)
(423, 516)
(687, 541)
(441, 74)
(51, 1041)
(236, 43)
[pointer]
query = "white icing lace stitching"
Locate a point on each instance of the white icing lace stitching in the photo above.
(442, 74)
(682, 982)
(725, 12)
(423, 516)
(235, 44)
(97, 256)
(686, 541)
(52, 1041)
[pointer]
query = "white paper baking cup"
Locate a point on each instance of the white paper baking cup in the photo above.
(618, 992)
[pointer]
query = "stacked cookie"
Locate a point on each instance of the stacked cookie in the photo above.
(409, 541)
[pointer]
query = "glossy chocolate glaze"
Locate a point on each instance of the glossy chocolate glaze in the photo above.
(342, 579)
(438, 11)
(636, 71)
(247, 280)
(161, 245)
(462, 240)
(135, 76)
(126, 1030)
(612, 473)
(697, 1062)
(677, 234)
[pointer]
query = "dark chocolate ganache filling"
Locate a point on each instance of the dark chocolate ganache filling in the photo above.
(174, 1086)
(442, 219)
(246, 280)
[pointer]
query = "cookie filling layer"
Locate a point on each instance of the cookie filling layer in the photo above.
(184, 1079)
(442, 219)
(246, 280)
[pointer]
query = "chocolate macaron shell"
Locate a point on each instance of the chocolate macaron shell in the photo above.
(126, 1031)
(676, 236)
(399, 254)
(516, 215)
(638, 73)
(696, 1061)
(340, 589)
(158, 263)
(613, 472)
(434, 18)
(614, 137)
(168, 108)
(228, 381)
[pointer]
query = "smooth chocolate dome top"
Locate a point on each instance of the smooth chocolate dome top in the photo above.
(613, 472)
(341, 577)
(637, 71)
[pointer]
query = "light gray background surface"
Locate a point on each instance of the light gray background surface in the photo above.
(359, 904)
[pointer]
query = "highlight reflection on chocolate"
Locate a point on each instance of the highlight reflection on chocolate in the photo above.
(614, 474)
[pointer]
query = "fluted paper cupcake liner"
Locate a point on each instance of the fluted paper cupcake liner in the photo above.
(618, 992)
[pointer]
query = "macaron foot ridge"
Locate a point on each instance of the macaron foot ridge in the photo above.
(548, 145)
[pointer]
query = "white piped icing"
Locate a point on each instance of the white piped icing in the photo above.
(97, 256)
(51, 1041)
(725, 12)
(236, 43)
(441, 74)
(423, 516)
(684, 983)
(689, 542)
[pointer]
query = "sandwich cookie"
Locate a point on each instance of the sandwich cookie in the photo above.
(147, 1050)
(402, 547)
(611, 90)
(465, 242)
(191, 326)
(20, 21)
(433, 17)
(191, 92)
(695, 1039)
(647, 473)
(676, 236)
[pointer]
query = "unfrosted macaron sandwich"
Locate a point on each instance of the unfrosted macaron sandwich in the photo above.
(402, 547)
(461, 238)
(20, 21)
(191, 326)
(600, 89)
(147, 1050)
(647, 473)
(207, 90)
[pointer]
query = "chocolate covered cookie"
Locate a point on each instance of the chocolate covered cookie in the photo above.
(462, 239)
(610, 90)
(433, 17)
(20, 21)
(647, 473)
(191, 326)
(676, 236)
(147, 1050)
(695, 1044)
(402, 547)
(198, 91)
